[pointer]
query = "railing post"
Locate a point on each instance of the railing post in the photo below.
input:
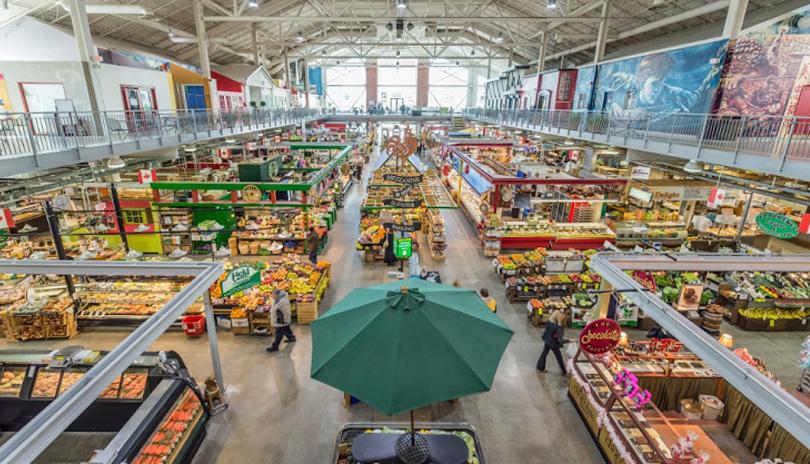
(221, 124)
(194, 123)
(786, 146)
(29, 133)
(739, 139)
(159, 128)
(701, 135)
(646, 130)
(671, 132)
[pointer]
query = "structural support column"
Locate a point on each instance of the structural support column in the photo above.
(541, 58)
(371, 83)
(254, 44)
(422, 83)
(744, 217)
(472, 87)
(601, 39)
(734, 18)
(87, 53)
(287, 71)
(306, 84)
(202, 40)
(489, 65)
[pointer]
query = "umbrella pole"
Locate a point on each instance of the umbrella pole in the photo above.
(413, 431)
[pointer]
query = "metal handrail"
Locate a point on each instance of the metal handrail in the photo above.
(37, 133)
(779, 137)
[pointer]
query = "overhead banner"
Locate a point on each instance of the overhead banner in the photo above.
(146, 176)
(409, 180)
(716, 197)
(402, 203)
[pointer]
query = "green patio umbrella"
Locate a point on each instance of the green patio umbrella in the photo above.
(407, 344)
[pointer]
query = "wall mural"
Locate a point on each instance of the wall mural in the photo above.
(766, 69)
(584, 88)
(683, 80)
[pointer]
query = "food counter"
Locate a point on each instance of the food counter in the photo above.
(162, 414)
(534, 233)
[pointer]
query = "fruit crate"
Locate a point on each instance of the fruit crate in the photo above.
(306, 311)
(240, 326)
(352, 430)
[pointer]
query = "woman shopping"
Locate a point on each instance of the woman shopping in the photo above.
(553, 339)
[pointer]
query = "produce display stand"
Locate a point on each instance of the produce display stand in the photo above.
(488, 188)
(350, 431)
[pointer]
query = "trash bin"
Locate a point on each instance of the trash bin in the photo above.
(193, 325)
(691, 410)
(712, 406)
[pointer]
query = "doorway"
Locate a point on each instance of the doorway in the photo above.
(140, 104)
(195, 97)
(395, 104)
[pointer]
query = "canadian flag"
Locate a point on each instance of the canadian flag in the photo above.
(716, 197)
(146, 176)
(804, 225)
(6, 219)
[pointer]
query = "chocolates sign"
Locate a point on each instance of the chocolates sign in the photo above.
(599, 336)
(407, 180)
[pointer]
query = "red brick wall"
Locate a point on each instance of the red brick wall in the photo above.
(371, 84)
(422, 83)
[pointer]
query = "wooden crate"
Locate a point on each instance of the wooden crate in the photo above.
(307, 312)
(240, 326)
(260, 320)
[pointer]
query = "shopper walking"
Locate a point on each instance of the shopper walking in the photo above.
(488, 300)
(280, 319)
(553, 338)
(312, 245)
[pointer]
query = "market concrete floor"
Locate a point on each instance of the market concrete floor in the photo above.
(277, 414)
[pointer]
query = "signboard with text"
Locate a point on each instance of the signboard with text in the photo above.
(403, 247)
(599, 336)
(241, 278)
(777, 225)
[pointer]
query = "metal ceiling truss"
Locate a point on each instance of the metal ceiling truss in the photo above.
(772, 399)
(45, 427)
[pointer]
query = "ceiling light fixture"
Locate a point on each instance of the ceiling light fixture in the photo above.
(692, 167)
(401, 4)
(472, 52)
(300, 36)
(552, 4)
(499, 37)
(253, 3)
(397, 52)
(116, 163)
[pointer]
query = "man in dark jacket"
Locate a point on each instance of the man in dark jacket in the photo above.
(553, 341)
(312, 245)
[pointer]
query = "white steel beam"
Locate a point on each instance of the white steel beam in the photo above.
(734, 18)
(46, 426)
(371, 19)
(772, 399)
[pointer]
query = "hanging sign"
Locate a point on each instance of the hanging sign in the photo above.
(61, 203)
(146, 176)
(402, 203)
(101, 207)
(223, 153)
(689, 299)
(777, 225)
(251, 193)
(404, 191)
(640, 172)
(403, 247)
(6, 219)
(408, 227)
(646, 279)
(599, 336)
(241, 278)
(408, 180)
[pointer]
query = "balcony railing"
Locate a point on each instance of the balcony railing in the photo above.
(780, 138)
(41, 133)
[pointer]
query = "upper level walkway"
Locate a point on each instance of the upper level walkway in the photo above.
(771, 145)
